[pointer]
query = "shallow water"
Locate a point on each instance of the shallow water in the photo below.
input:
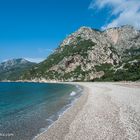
(27, 109)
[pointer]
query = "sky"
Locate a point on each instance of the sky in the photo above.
(32, 29)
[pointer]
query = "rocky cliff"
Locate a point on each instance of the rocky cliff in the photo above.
(91, 55)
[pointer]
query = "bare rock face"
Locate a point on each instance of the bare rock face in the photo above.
(113, 35)
(124, 37)
(88, 54)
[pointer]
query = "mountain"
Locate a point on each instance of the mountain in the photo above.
(92, 55)
(13, 69)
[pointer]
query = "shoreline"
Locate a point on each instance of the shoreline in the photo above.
(104, 111)
(65, 118)
(80, 91)
(76, 91)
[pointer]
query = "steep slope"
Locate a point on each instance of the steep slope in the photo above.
(13, 69)
(89, 55)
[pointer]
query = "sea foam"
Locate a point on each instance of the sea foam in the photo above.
(73, 93)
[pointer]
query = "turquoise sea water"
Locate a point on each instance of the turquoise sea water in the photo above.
(27, 109)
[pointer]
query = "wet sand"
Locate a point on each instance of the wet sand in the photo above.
(106, 111)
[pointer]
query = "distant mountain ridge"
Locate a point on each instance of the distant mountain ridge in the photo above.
(93, 55)
(13, 69)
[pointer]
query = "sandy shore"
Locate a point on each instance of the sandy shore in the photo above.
(106, 111)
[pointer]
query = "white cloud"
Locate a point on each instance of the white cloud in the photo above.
(37, 60)
(41, 50)
(125, 11)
